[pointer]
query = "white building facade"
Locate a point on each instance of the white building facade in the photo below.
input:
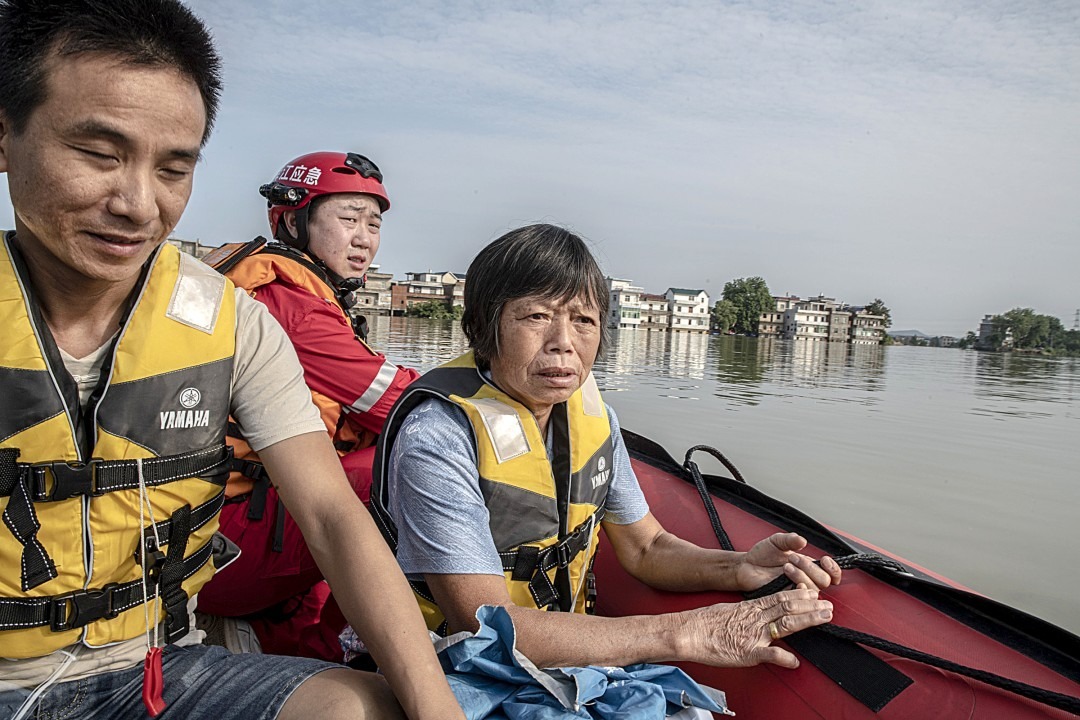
(688, 310)
(625, 304)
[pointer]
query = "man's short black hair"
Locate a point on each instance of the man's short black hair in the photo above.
(142, 32)
(542, 261)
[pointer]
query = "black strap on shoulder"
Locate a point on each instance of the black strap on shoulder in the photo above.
(559, 427)
(225, 258)
(26, 484)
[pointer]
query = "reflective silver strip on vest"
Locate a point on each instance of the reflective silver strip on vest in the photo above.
(197, 295)
(591, 402)
(503, 427)
(376, 389)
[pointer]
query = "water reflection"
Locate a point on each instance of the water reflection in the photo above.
(683, 366)
(1010, 385)
(821, 371)
(668, 362)
(417, 343)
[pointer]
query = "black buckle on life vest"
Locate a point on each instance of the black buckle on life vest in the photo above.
(155, 557)
(69, 480)
(564, 553)
(76, 609)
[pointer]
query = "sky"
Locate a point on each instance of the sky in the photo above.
(927, 154)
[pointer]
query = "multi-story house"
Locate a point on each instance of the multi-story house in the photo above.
(654, 312)
(839, 324)
(421, 287)
(771, 323)
(625, 306)
(821, 318)
(809, 319)
(988, 340)
(866, 327)
(374, 297)
(688, 310)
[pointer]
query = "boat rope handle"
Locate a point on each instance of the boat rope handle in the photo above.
(1068, 703)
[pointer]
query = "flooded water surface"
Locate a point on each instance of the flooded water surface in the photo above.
(965, 463)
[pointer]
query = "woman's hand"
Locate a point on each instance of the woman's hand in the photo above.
(778, 554)
(741, 634)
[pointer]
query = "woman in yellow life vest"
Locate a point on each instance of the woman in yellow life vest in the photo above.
(497, 470)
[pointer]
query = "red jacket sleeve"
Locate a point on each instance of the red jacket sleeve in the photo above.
(335, 363)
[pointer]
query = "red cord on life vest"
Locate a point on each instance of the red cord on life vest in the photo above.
(153, 683)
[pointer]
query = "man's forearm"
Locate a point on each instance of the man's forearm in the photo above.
(375, 597)
(367, 583)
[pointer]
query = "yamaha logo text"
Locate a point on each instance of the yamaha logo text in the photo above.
(188, 417)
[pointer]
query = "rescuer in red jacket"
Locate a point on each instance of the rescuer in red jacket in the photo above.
(325, 215)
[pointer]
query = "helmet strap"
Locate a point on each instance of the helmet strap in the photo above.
(300, 242)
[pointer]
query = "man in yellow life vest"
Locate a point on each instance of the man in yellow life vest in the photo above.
(121, 361)
(326, 213)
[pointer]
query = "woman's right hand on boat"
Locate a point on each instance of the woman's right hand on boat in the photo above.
(744, 634)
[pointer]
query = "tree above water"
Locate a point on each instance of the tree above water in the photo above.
(751, 298)
(724, 315)
(1025, 329)
(878, 307)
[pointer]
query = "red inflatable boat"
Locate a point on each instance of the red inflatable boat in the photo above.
(904, 644)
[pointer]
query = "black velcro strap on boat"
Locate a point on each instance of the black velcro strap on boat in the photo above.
(74, 610)
(861, 674)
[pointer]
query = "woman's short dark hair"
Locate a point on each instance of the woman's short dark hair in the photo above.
(161, 33)
(534, 261)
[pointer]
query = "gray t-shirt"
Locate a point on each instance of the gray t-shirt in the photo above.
(435, 498)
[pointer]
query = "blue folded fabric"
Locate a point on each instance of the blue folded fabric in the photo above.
(491, 679)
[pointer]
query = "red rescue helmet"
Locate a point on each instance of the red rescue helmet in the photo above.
(314, 175)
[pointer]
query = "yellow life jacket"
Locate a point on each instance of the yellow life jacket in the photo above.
(544, 514)
(72, 549)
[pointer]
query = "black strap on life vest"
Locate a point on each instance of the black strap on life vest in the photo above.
(531, 563)
(28, 483)
(82, 607)
(256, 499)
(225, 257)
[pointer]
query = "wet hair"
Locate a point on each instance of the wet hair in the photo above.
(162, 33)
(534, 261)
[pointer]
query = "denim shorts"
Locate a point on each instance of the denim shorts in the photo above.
(201, 681)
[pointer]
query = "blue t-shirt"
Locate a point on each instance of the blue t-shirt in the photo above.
(435, 497)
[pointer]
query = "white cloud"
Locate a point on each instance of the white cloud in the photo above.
(923, 153)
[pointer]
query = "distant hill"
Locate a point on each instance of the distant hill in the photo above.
(909, 333)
